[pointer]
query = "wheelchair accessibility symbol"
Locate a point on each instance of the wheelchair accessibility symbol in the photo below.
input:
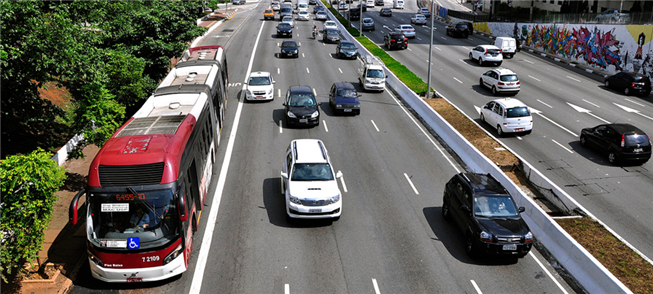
(134, 243)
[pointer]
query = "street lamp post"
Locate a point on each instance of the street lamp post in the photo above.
(428, 83)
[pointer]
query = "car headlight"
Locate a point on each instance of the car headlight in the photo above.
(357, 105)
(172, 255)
(295, 200)
(368, 80)
(315, 114)
(338, 105)
(485, 236)
(290, 114)
(271, 90)
(333, 199)
(94, 259)
(528, 237)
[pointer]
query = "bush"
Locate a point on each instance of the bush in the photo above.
(353, 31)
(28, 186)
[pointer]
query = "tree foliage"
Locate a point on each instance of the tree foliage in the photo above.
(28, 186)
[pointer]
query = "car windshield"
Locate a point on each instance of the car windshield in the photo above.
(518, 112)
(332, 33)
(259, 81)
(301, 99)
(347, 46)
(346, 93)
(375, 73)
(634, 140)
(285, 10)
(284, 25)
(495, 206)
(287, 19)
(150, 215)
(289, 44)
(509, 78)
(312, 172)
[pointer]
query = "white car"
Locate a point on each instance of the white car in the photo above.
(260, 86)
(508, 115)
(321, 15)
(486, 53)
(288, 19)
(303, 15)
(500, 80)
(418, 19)
(343, 5)
(370, 3)
(406, 29)
(330, 24)
(309, 182)
(275, 6)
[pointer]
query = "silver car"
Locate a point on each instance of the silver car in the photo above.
(321, 15)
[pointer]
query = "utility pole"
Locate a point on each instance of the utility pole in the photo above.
(428, 83)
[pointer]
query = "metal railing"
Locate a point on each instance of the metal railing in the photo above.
(571, 18)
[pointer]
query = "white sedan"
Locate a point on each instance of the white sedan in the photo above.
(406, 29)
(330, 24)
(303, 15)
(418, 19)
(321, 15)
(288, 19)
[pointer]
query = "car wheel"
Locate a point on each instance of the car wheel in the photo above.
(446, 214)
(471, 57)
(627, 91)
(612, 157)
(494, 90)
(480, 61)
(283, 188)
(480, 82)
(607, 84)
(499, 131)
(482, 117)
(583, 141)
(470, 248)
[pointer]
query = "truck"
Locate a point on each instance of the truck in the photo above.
(371, 75)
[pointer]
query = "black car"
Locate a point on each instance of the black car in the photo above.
(470, 27)
(486, 213)
(458, 30)
(301, 106)
(364, 7)
(395, 40)
(346, 49)
(318, 8)
(331, 36)
(629, 83)
(368, 24)
(343, 98)
(354, 13)
(289, 48)
(621, 142)
(385, 11)
(312, 2)
(378, 2)
(284, 30)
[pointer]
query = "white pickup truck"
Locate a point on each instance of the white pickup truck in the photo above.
(371, 75)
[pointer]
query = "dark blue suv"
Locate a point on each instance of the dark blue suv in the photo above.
(343, 98)
(301, 106)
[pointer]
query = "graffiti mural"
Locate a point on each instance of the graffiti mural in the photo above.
(611, 48)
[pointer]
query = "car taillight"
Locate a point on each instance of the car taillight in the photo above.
(518, 83)
(405, 39)
(501, 84)
(633, 85)
(623, 142)
(392, 40)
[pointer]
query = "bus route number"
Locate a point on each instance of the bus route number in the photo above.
(150, 258)
(129, 197)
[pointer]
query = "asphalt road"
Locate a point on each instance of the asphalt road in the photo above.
(390, 238)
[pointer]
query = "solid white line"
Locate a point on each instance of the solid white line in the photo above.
(457, 80)
(554, 141)
(278, 70)
(548, 273)
(558, 125)
(428, 136)
(409, 49)
(202, 258)
(437, 48)
(342, 181)
(280, 126)
(325, 126)
(528, 61)
(532, 77)
(411, 183)
(418, 38)
(340, 70)
(577, 80)
(478, 290)
(640, 104)
(308, 70)
(597, 117)
(279, 91)
(314, 93)
(461, 60)
(594, 104)
(538, 100)
(286, 289)
(376, 287)
(377, 129)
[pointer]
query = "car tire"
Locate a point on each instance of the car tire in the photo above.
(499, 131)
(480, 82)
(612, 157)
(583, 141)
(283, 188)
(446, 213)
(470, 247)
(627, 91)
(480, 61)
(482, 117)
(494, 90)
(471, 57)
(607, 84)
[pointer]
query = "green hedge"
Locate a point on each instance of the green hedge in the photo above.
(353, 31)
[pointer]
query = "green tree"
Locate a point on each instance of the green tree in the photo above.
(28, 186)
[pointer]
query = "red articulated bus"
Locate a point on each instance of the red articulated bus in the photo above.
(147, 185)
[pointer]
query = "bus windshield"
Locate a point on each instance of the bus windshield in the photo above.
(150, 215)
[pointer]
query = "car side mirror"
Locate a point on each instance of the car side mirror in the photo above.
(284, 104)
(273, 81)
(465, 208)
(522, 209)
(284, 175)
(338, 175)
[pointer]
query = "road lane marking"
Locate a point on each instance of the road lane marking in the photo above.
(325, 126)
(377, 129)
(411, 183)
(538, 100)
(594, 104)
(532, 77)
(286, 288)
(554, 141)
(640, 104)
(278, 70)
(376, 286)
(342, 181)
(314, 93)
(457, 80)
(548, 273)
(280, 126)
(279, 93)
(583, 110)
(533, 110)
(528, 61)
(437, 48)
(303, 55)
(340, 70)
(575, 79)
(478, 290)
(461, 60)
(409, 49)
(628, 109)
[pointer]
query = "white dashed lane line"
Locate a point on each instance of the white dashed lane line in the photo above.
(340, 70)
(574, 79)
(280, 126)
(457, 80)
(325, 126)
(538, 100)
(374, 124)
(532, 77)
(342, 181)
(411, 183)
(563, 147)
(593, 104)
(376, 287)
(478, 290)
(308, 71)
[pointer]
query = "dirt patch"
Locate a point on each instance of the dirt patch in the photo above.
(59, 96)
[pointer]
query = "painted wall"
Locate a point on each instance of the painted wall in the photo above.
(611, 48)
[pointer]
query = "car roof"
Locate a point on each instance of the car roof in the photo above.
(510, 102)
(368, 18)
(346, 42)
(259, 74)
(504, 71)
(309, 151)
(626, 128)
(404, 25)
(344, 85)
(484, 184)
(300, 89)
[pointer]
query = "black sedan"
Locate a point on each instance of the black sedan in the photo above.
(629, 83)
(621, 142)
(301, 106)
(346, 49)
(343, 98)
(289, 48)
(284, 30)
(458, 30)
(331, 36)
(487, 215)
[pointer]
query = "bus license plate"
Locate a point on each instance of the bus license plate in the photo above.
(134, 280)
(315, 210)
(638, 150)
(347, 110)
(511, 247)
(519, 130)
(304, 120)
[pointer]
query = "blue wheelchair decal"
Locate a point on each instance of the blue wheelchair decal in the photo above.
(134, 243)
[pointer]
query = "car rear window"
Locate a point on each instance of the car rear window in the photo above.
(509, 78)
(518, 112)
(635, 139)
(494, 51)
(461, 26)
(346, 93)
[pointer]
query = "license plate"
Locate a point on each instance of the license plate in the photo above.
(511, 247)
(259, 97)
(519, 130)
(303, 120)
(134, 280)
(315, 210)
(638, 150)
(347, 110)
(510, 84)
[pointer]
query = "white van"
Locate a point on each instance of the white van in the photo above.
(507, 45)
(398, 4)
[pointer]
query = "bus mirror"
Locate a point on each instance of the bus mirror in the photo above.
(72, 211)
(183, 216)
